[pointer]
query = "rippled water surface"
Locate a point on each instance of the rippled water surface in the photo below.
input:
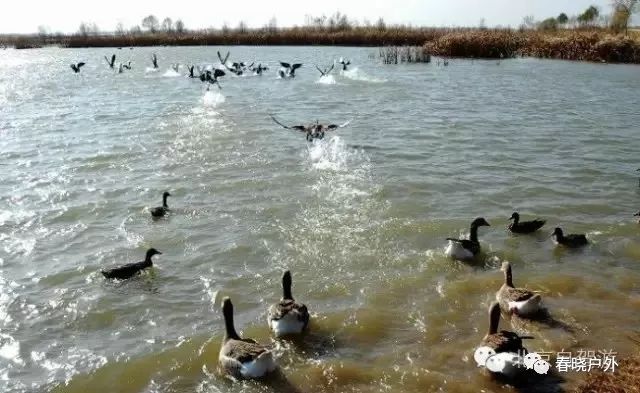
(360, 217)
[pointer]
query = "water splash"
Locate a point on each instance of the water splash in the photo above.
(170, 74)
(326, 80)
(213, 98)
(357, 75)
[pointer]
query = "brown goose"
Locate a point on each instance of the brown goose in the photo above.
(525, 226)
(242, 357)
(518, 301)
(503, 340)
(287, 316)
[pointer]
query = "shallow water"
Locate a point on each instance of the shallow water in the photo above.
(360, 218)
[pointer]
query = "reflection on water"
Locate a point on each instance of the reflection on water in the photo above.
(360, 217)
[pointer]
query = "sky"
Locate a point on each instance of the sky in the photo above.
(25, 16)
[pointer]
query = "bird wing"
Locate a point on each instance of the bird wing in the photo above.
(224, 62)
(519, 294)
(299, 128)
(330, 69)
(296, 66)
(335, 126)
(217, 73)
(243, 350)
(73, 67)
(285, 65)
(80, 64)
(113, 59)
(319, 70)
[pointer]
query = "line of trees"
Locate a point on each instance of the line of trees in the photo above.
(618, 20)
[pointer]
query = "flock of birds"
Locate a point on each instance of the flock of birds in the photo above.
(245, 358)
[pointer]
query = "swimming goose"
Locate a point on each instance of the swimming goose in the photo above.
(154, 60)
(313, 131)
(76, 67)
(503, 348)
(572, 241)
(242, 358)
(161, 210)
(525, 226)
(463, 249)
(129, 270)
(259, 69)
(287, 316)
(127, 66)
(111, 63)
(518, 301)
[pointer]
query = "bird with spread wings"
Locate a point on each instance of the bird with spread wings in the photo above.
(314, 130)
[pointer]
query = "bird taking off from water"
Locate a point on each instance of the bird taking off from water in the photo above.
(154, 60)
(345, 63)
(76, 67)
(326, 71)
(314, 130)
(288, 70)
(111, 63)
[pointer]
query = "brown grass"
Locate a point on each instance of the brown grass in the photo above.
(589, 45)
(625, 379)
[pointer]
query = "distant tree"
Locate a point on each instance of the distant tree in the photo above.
(381, 25)
(548, 24)
(272, 25)
(120, 30)
(589, 15)
(622, 10)
(528, 22)
(179, 26)
(150, 23)
(135, 30)
(43, 31)
(83, 29)
(225, 28)
(482, 25)
(562, 19)
(167, 24)
(242, 27)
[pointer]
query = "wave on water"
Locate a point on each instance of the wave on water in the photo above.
(170, 74)
(213, 98)
(357, 75)
(326, 80)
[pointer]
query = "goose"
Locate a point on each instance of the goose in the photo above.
(175, 67)
(637, 215)
(288, 70)
(127, 66)
(287, 316)
(572, 241)
(161, 210)
(313, 131)
(129, 270)
(242, 358)
(111, 63)
(326, 71)
(525, 226)
(519, 301)
(344, 63)
(154, 60)
(120, 68)
(505, 345)
(463, 249)
(191, 75)
(76, 67)
(212, 77)
(236, 67)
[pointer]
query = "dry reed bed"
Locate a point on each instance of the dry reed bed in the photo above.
(568, 45)
(625, 379)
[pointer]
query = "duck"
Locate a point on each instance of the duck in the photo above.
(572, 241)
(131, 269)
(242, 358)
(526, 226)
(637, 215)
(463, 249)
(160, 211)
(287, 317)
(519, 301)
(504, 348)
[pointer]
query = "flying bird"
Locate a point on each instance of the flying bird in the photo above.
(76, 67)
(288, 70)
(314, 130)
(326, 71)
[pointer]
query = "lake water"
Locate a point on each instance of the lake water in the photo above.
(360, 217)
